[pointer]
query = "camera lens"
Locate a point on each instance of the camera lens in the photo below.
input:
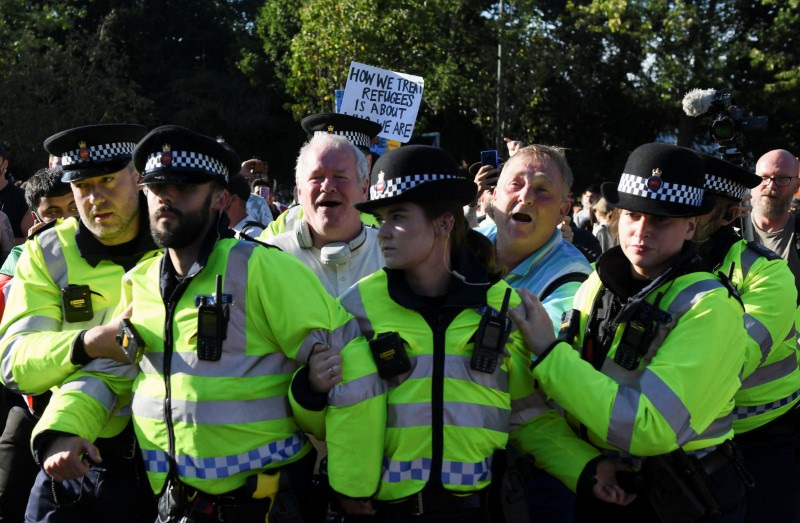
(722, 128)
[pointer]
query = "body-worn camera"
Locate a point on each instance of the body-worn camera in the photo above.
(491, 337)
(77, 301)
(130, 341)
(389, 354)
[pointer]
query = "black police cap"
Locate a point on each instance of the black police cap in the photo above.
(176, 155)
(726, 179)
(94, 150)
(660, 179)
(417, 173)
(358, 131)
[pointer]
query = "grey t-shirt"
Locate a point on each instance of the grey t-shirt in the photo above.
(783, 242)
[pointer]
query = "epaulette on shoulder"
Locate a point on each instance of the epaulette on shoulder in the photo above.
(763, 250)
(246, 237)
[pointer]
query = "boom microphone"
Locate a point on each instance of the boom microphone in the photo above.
(698, 101)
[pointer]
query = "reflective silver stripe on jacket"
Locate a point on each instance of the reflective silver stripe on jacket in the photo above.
(772, 372)
(336, 339)
(455, 413)
(527, 408)
(352, 302)
(226, 466)
(30, 323)
(357, 390)
(749, 257)
(235, 365)
(759, 332)
(53, 255)
(233, 412)
(95, 388)
(453, 472)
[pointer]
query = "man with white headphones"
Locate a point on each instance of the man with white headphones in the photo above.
(332, 175)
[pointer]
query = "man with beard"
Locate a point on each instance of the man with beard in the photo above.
(219, 338)
(774, 225)
(332, 175)
(67, 281)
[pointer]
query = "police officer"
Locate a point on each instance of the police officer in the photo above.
(67, 280)
(413, 427)
(764, 419)
(218, 333)
(660, 346)
(357, 131)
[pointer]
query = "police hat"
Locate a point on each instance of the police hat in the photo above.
(660, 179)
(358, 131)
(176, 155)
(94, 150)
(726, 179)
(416, 173)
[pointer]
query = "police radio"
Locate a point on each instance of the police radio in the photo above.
(212, 324)
(491, 337)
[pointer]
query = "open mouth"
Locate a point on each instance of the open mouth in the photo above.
(329, 204)
(521, 217)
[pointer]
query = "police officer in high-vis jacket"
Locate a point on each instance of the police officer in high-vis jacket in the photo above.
(653, 352)
(67, 281)
(765, 419)
(414, 426)
(215, 331)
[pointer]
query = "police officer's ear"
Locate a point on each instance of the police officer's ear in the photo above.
(444, 224)
(219, 199)
(691, 227)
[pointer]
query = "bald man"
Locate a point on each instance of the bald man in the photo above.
(774, 225)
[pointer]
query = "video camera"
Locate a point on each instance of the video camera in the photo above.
(729, 124)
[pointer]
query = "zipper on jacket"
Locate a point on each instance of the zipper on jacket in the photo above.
(437, 402)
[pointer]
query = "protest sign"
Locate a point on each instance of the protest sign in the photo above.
(387, 97)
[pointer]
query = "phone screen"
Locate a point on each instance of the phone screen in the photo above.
(207, 322)
(263, 191)
(489, 158)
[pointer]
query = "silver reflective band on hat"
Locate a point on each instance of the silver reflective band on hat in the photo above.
(357, 139)
(97, 153)
(184, 160)
(683, 194)
(724, 186)
(397, 186)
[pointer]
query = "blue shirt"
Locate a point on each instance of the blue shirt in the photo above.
(554, 259)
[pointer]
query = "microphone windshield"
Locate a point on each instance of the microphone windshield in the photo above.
(698, 101)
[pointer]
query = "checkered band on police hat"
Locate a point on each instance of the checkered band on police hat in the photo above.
(665, 191)
(93, 154)
(397, 186)
(185, 160)
(356, 138)
(724, 186)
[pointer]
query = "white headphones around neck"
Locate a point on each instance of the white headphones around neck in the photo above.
(335, 253)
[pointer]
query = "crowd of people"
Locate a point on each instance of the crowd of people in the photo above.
(408, 342)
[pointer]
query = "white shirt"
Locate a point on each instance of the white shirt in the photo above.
(252, 230)
(363, 260)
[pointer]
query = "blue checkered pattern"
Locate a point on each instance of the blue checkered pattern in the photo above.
(186, 160)
(398, 186)
(724, 186)
(99, 153)
(755, 410)
(357, 139)
(671, 192)
(453, 472)
(225, 466)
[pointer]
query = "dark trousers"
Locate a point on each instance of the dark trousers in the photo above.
(113, 492)
(463, 516)
(772, 457)
(18, 469)
(726, 483)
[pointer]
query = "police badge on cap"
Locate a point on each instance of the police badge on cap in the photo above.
(660, 179)
(94, 150)
(176, 155)
(417, 173)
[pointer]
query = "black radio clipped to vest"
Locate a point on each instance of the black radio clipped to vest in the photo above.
(389, 354)
(212, 324)
(77, 301)
(491, 337)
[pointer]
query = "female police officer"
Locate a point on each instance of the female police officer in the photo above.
(660, 345)
(413, 426)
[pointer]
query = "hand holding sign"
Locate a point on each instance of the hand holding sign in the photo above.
(389, 98)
